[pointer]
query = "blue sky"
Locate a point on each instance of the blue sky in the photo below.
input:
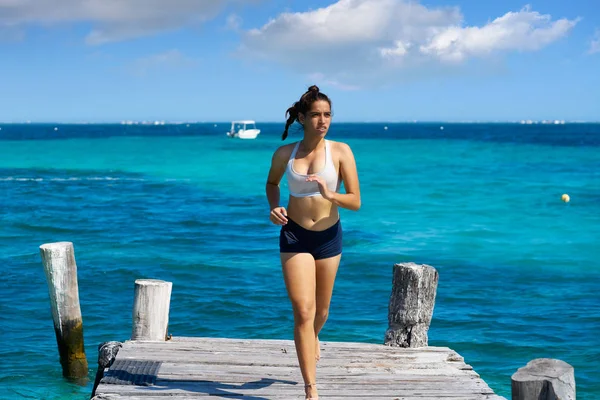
(378, 60)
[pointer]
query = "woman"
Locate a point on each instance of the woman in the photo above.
(310, 240)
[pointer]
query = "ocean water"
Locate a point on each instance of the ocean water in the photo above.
(519, 268)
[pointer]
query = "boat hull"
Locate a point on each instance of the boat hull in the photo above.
(244, 134)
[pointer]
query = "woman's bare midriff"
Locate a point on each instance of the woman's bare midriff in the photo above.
(313, 213)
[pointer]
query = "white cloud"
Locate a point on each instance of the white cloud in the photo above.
(346, 26)
(366, 39)
(113, 20)
(525, 30)
(400, 49)
(595, 43)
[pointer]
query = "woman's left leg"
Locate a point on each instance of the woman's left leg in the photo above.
(299, 275)
(326, 270)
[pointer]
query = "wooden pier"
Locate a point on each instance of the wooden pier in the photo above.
(193, 368)
(153, 364)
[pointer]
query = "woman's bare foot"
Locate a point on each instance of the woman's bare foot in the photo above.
(311, 391)
(317, 349)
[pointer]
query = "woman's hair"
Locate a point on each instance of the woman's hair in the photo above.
(302, 106)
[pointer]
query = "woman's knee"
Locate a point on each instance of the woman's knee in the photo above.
(304, 312)
(322, 314)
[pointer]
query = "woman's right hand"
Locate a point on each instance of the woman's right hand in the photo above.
(278, 216)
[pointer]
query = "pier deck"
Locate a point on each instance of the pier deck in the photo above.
(255, 369)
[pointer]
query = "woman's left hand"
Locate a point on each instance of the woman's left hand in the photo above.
(325, 192)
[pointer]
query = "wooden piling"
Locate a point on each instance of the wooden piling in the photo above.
(544, 379)
(411, 305)
(151, 310)
(61, 274)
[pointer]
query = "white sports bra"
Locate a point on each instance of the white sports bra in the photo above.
(297, 184)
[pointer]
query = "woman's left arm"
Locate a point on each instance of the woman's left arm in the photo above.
(350, 199)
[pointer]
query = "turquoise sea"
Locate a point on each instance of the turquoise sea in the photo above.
(519, 268)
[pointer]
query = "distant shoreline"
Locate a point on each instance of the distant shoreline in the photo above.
(164, 123)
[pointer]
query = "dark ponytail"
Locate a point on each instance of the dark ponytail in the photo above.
(302, 106)
(293, 115)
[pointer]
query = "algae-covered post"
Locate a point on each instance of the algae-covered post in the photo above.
(544, 379)
(61, 274)
(151, 309)
(411, 305)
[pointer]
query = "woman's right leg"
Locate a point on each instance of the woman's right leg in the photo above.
(299, 274)
(325, 269)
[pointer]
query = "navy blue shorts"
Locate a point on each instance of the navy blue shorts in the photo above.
(321, 244)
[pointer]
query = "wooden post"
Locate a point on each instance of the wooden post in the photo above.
(151, 310)
(107, 353)
(61, 274)
(411, 305)
(544, 379)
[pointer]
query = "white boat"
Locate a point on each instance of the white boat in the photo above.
(245, 129)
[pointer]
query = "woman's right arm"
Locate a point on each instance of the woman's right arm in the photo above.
(278, 163)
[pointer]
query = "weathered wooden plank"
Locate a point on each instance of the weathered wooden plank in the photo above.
(216, 345)
(273, 350)
(225, 390)
(279, 348)
(278, 359)
(287, 397)
(363, 375)
(209, 342)
(242, 370)
(354, 365)
(167, 352)
(337, 384)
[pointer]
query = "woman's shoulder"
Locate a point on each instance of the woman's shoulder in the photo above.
(339, 147)
(286, 148)
(284, 152)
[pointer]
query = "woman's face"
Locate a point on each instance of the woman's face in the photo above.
(317, 120)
